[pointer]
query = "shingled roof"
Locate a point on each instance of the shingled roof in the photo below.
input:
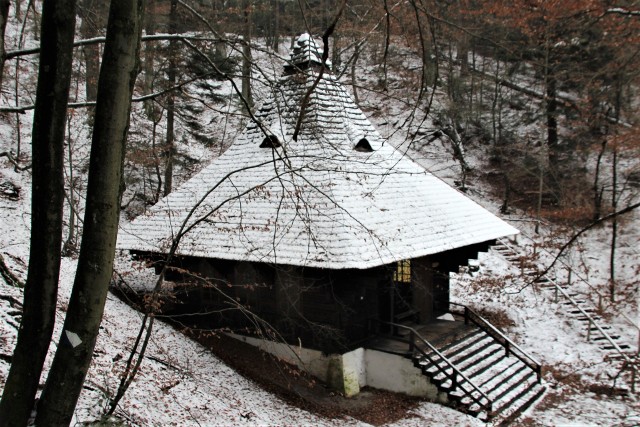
(336, 197)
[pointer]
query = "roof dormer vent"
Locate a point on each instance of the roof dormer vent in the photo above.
(363, 146)
(270, 141)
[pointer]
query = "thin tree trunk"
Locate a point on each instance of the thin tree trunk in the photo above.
(597, 189)
(614, 226)
(387, 42)
(52, 96)
(246, 55)
(36, 21)
(4, 15)
(95, 264)
(276, 26)
(169, 146)
(171, 102)
(354, 81)
(90, 52)
(494, 105)
(552, 120)
(614, 197)
(69, 247)
(540, 191)
(149, 58)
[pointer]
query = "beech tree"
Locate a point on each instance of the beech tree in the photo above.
(40, 296)
(4, 15)
(120, 66)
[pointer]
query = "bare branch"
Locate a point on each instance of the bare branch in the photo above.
(325, 56)
(14, 162)
(97, 40)
(580, 233)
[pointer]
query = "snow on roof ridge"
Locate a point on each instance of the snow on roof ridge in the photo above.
(306, 50)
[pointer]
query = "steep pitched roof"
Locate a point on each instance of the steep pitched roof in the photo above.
(336, 197)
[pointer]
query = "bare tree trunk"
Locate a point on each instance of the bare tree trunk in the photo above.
(463, 54)
(36, 21)
(41, 290)
(171, 102)
(69, 246)
(246, 55)
(387, 42)
(540, 191)
(597, 188)
(4, 15)
(91, 52)
(170, 148)
(614, 196)
(614, 225)
(120, 66)
(552, 120)
(149, 58)
(494, 106)
(354, 81)
(276, 26)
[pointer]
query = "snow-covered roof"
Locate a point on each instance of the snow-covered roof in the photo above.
(316, 201)
(306, 51)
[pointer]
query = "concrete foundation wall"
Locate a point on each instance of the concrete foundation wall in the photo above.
(351, 371)
(396, 373)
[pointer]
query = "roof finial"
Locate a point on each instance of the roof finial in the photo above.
(306, 53)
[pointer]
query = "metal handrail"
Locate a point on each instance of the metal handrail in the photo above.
(573, 273)
(454, 382)
(628, 362)
(509, 345)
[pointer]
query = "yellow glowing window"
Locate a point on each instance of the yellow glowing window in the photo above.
(403, 271)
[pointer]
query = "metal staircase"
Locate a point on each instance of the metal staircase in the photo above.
(618, 352)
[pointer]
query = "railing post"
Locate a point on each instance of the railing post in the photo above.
(589, 331)
(466, 315)
(412, 341)
(556, 288)
(454, 381)
(506, 348)
(633, 379)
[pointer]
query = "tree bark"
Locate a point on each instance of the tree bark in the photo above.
(52, 95)
(614, 226)
(171, 102)
(551, 112)
(149, 59)
(4, 15)
(90, 52)
(246, 55)
(95, 264)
